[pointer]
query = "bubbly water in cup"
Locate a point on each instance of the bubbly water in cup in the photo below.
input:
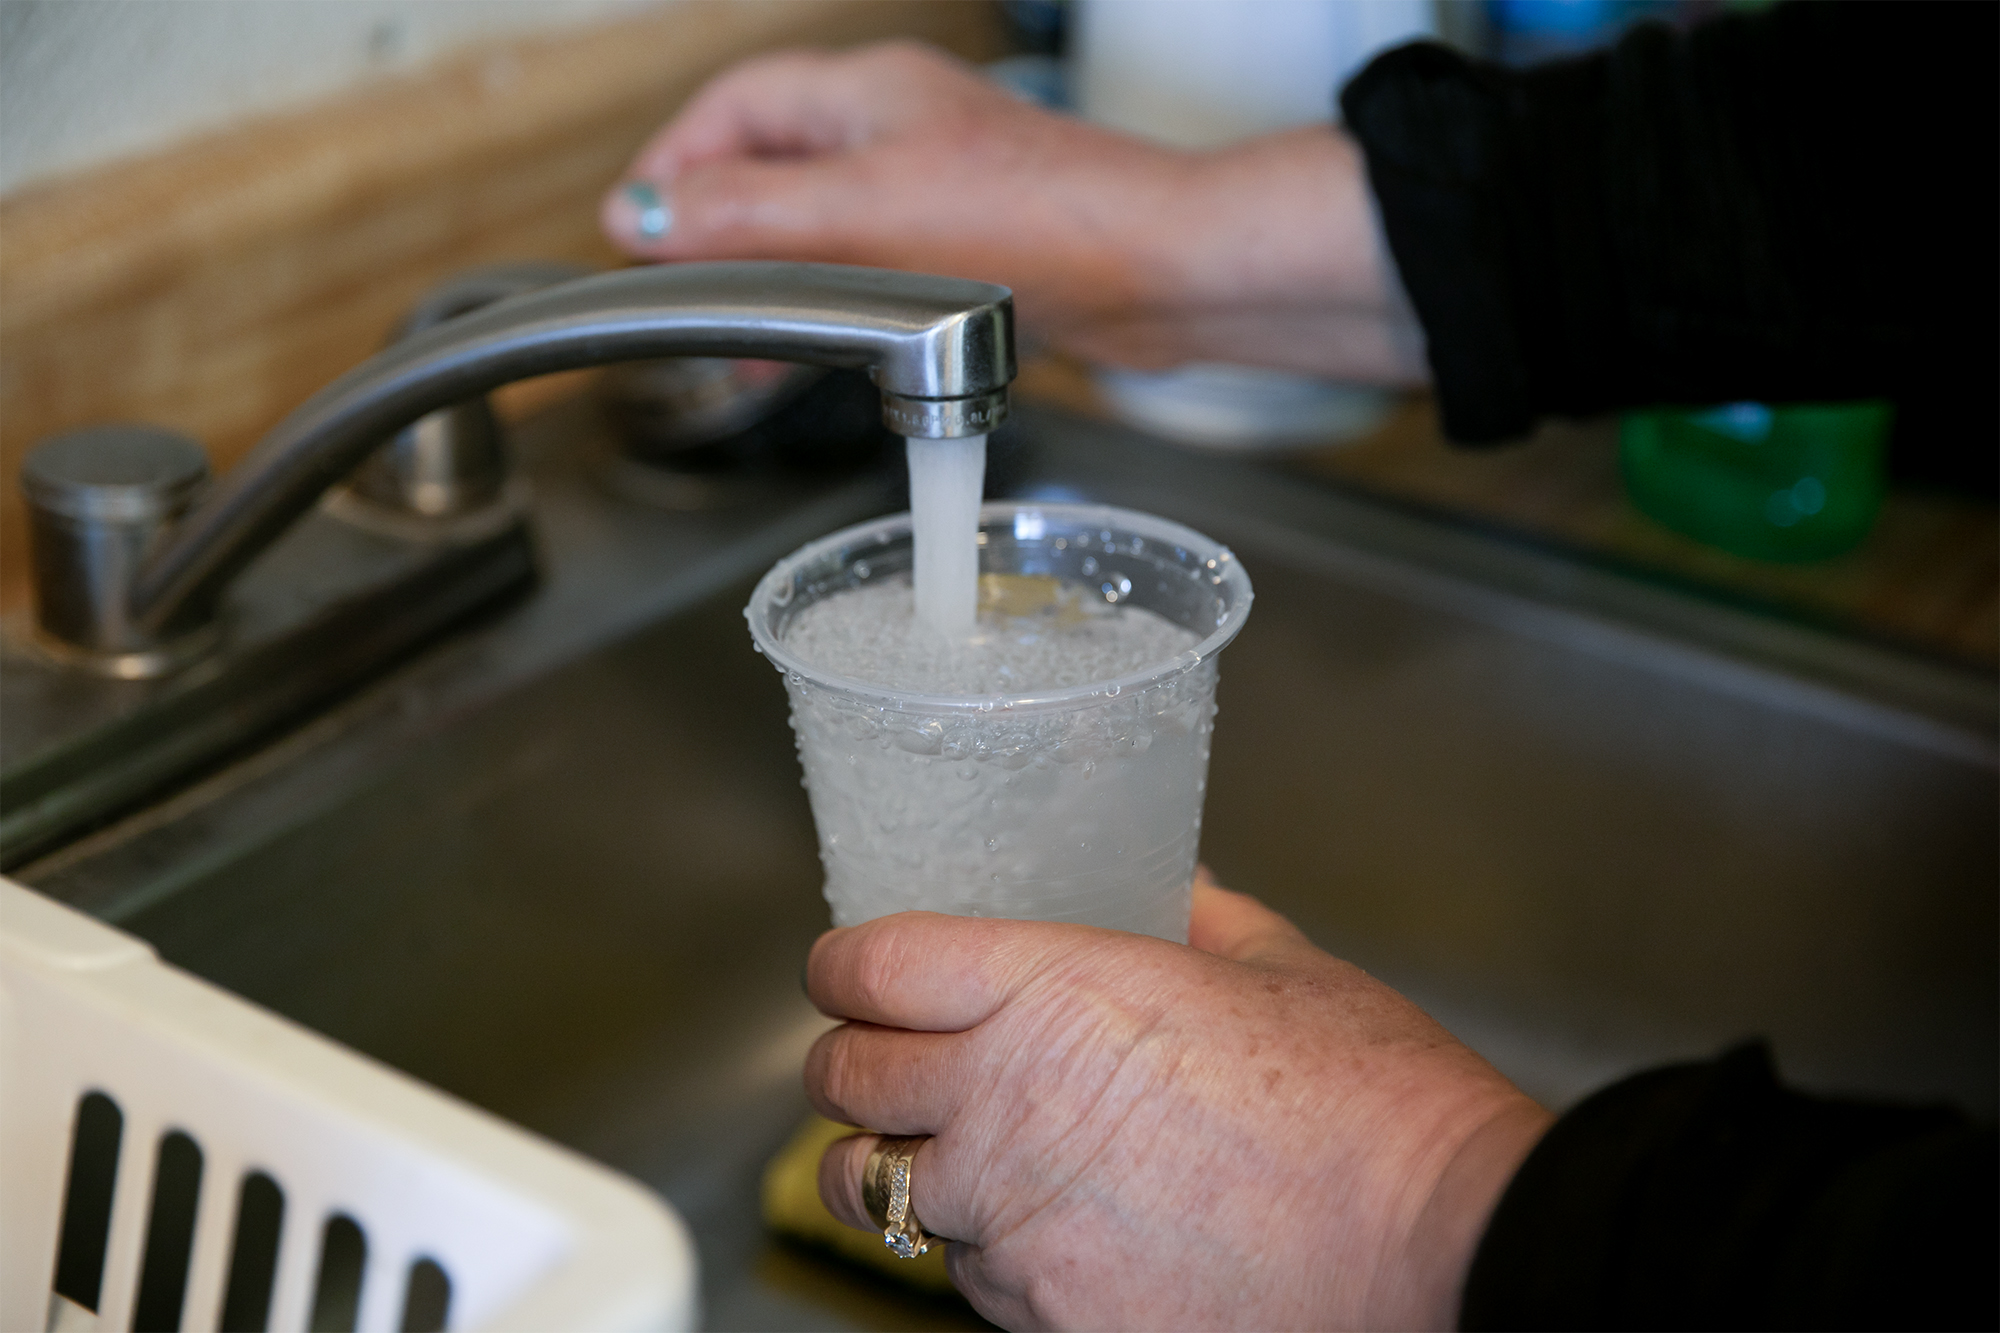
(1049, 766)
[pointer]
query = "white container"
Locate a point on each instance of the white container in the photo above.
(1246, 409)
(1202, 74)
(186, 1112)
(1080, 804)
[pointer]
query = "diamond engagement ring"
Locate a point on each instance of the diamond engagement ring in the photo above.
(885, 1193)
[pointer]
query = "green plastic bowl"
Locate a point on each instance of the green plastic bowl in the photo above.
(1799, 481)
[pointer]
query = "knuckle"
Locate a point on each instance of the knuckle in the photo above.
(822, 1092)
(877, 962)
(817, 1059)
(840, 1073)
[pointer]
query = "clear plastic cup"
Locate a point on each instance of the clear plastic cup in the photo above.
(1081, 804)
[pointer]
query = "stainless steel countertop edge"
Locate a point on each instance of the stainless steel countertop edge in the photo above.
(1932, 705)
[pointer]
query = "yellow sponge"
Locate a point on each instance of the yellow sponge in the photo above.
(792, 1208)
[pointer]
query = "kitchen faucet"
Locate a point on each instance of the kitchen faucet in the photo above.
(940, 349)
(139, 672)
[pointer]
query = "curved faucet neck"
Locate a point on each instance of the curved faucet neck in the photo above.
(941, 350)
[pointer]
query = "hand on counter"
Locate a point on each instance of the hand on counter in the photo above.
(1118, 250)
(1247, 1132)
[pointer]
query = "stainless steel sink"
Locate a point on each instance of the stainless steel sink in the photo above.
(561, 866)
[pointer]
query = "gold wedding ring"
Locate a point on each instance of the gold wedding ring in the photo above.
(885, 1193)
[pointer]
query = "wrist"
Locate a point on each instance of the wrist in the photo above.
(1286, 220)
(1437, 1254)
(1268, 253)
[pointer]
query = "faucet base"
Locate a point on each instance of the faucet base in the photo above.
(328, 607)
(509, 508)
(147, 665)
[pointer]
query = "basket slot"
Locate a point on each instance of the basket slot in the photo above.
(163, 1274)
(253, 1255)
(86, 1215)
(343, 1261)
(426, 1297)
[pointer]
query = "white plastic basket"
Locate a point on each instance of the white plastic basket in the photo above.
(173, 1156)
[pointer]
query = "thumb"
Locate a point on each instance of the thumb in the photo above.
(1239, 928)
(738, 208)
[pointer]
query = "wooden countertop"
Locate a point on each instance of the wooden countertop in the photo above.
(1927, 578)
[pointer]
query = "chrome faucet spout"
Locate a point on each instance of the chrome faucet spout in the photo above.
(941, 350)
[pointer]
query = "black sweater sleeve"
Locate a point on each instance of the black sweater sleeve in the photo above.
(1792, 205)
(1709, 1196)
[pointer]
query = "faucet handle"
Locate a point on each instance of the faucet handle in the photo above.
(448, 463)
(99, 498)
(453, 461)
